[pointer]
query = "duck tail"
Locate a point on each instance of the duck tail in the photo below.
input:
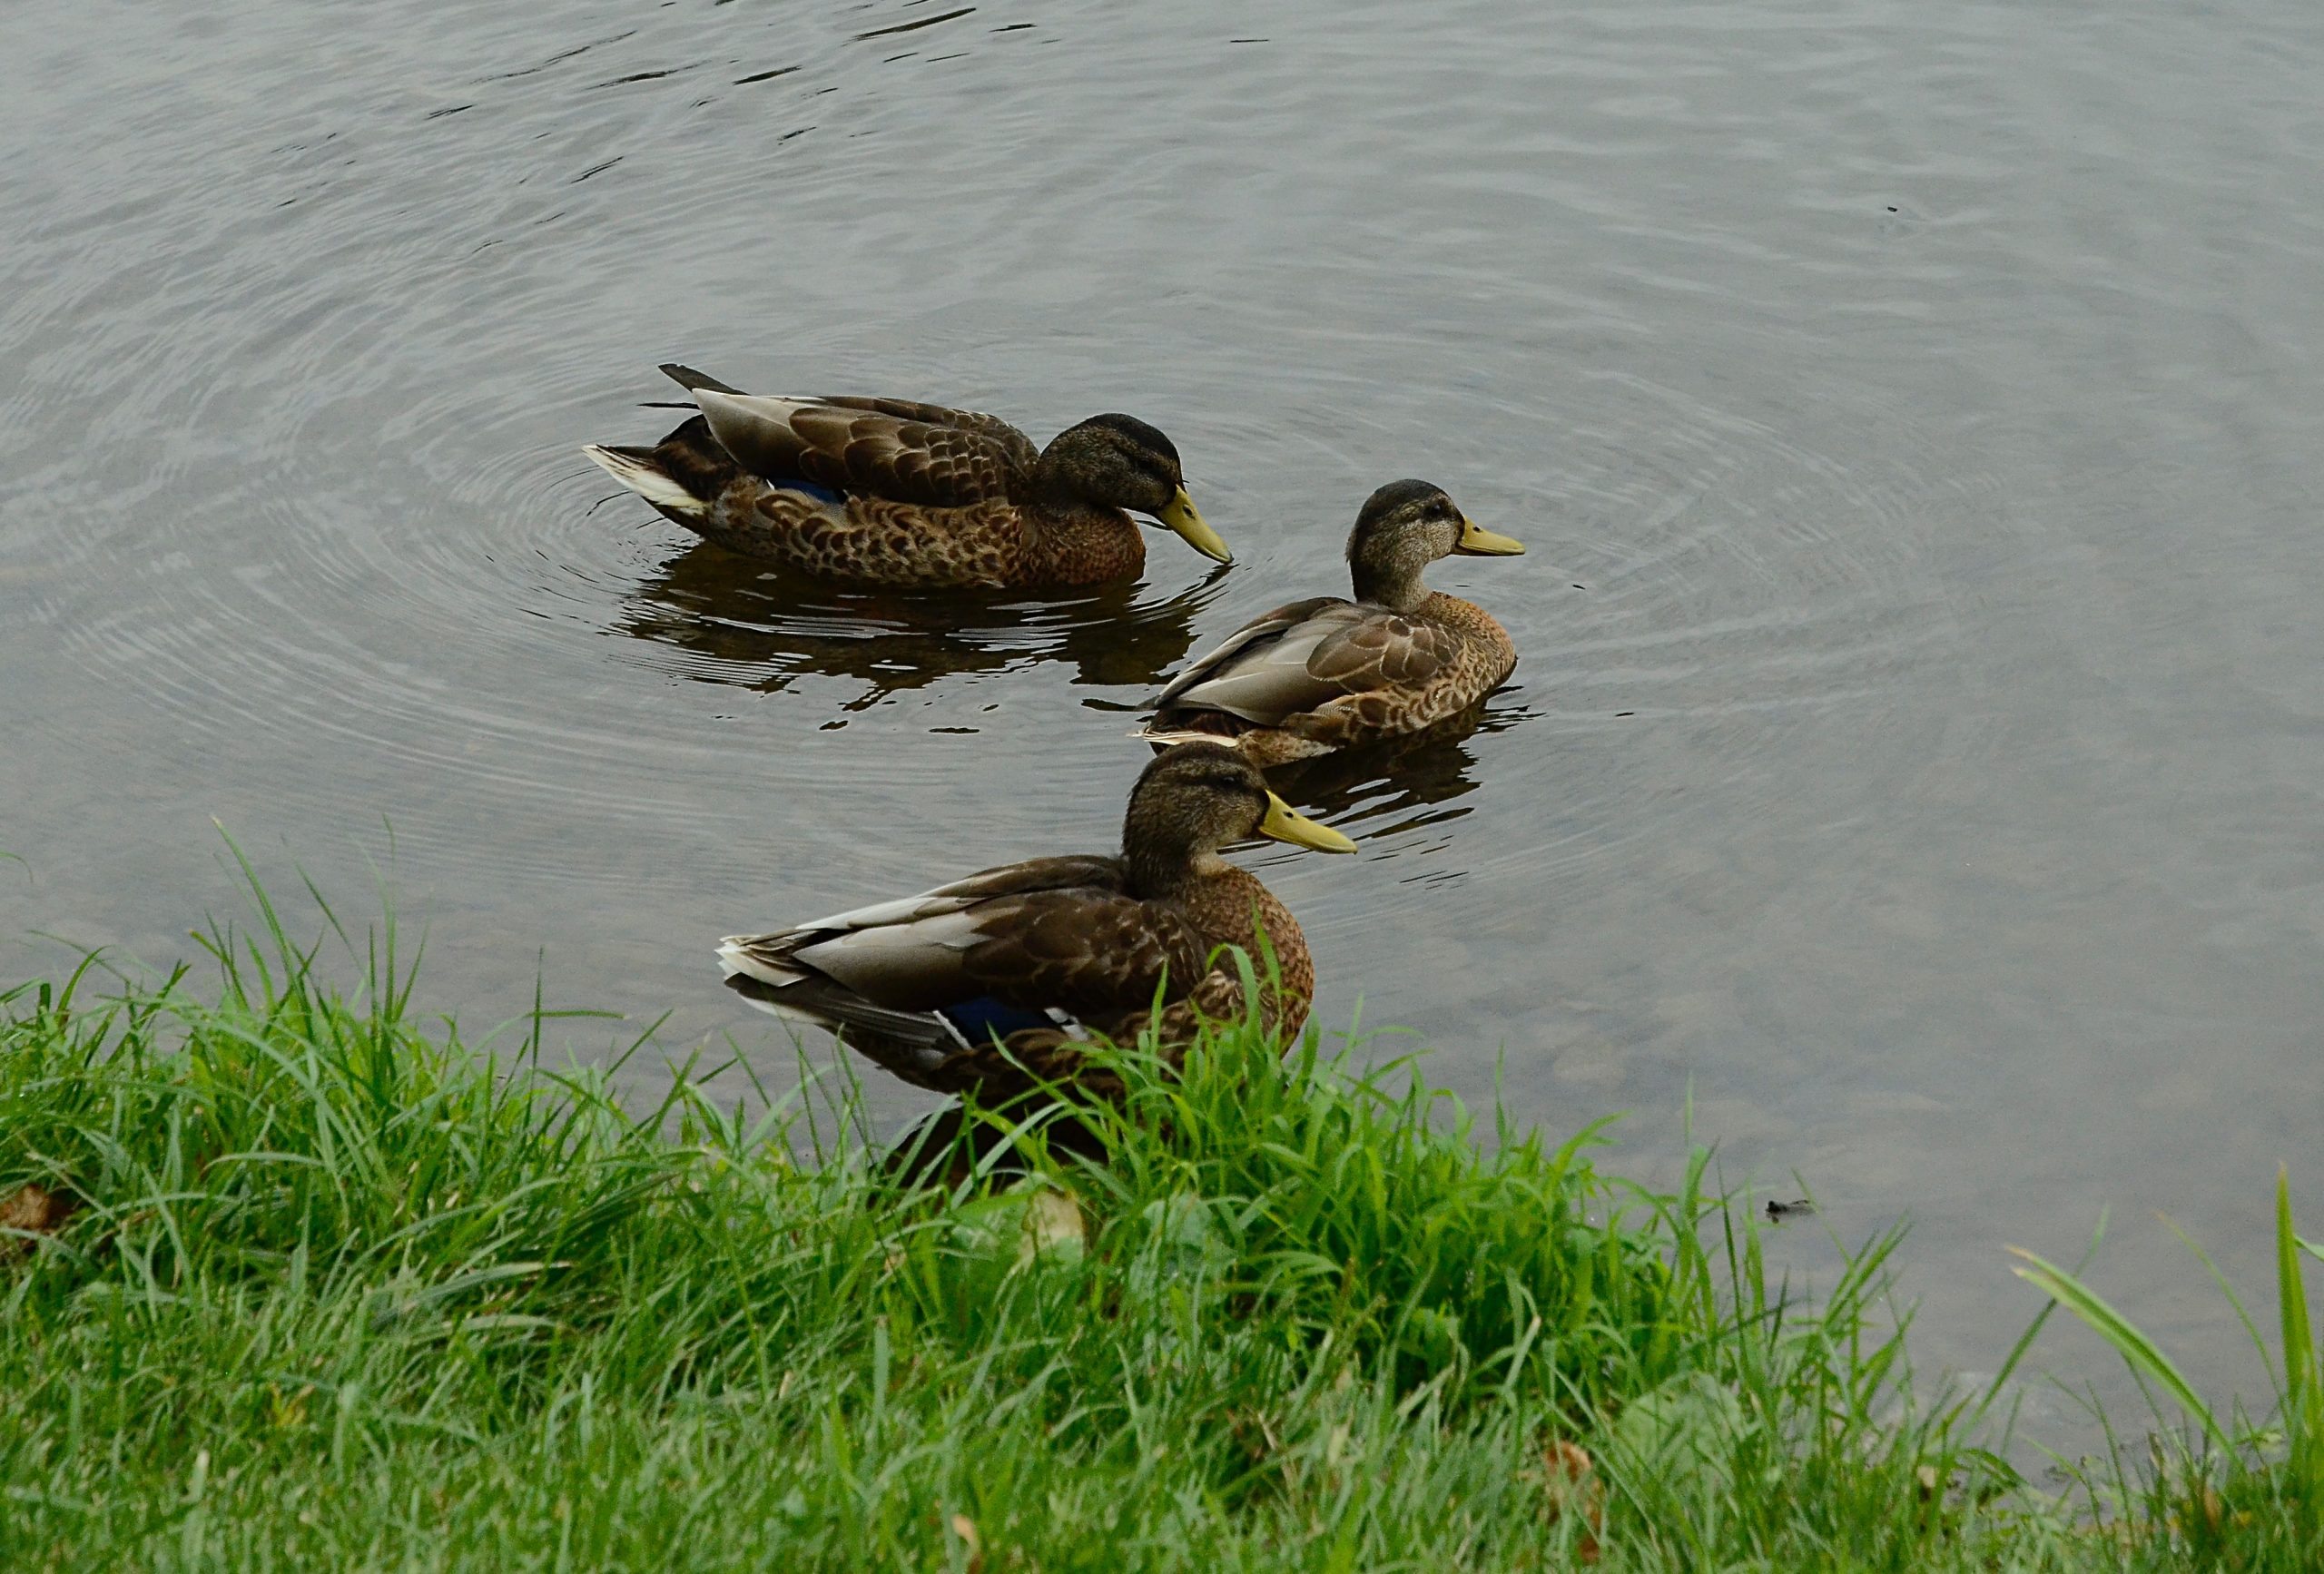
(635, 469)
(920, 1046)
(683, 475)
(694, 381)
(1167, 730)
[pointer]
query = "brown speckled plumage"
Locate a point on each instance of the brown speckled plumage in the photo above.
(896, 493)
(1327, 673)
(1089, 941)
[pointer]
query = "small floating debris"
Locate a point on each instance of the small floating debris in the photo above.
(1778, 1212)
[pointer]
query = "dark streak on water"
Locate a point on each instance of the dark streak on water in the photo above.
(915, 26)
(1929, 782)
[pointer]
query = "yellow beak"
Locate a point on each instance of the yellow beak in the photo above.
(1479, 542)
(1286, 823)
(1181, 515)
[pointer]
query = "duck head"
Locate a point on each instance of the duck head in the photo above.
(1117, 461)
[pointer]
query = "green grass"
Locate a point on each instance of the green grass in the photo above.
(2232, 1491)
(345, 1291)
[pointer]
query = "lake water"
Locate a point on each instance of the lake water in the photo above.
(1918, 752)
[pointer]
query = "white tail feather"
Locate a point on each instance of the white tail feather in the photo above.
(734, 957)
(648, 481)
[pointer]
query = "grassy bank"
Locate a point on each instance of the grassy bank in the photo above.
(302, 1280)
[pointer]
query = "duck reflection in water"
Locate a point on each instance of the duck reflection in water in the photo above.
(1403, 781)
(747, 626)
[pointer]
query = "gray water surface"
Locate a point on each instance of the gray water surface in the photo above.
(1913, 412)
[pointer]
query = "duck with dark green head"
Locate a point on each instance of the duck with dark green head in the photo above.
(1329, 674)
(893, 494)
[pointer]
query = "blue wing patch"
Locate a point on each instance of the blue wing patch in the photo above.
(822, 494)
(980, 1020)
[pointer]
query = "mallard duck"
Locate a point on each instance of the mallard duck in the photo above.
(1327, 674)
(899, 495)
(1029, 959)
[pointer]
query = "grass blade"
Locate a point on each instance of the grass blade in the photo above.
(2292, 1296)
(2143, 1353)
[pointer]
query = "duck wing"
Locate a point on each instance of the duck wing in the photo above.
(1251, 641)
(1020, 448)
(923, 984)
(901, 449)
(1305, 656)
(1089, 953)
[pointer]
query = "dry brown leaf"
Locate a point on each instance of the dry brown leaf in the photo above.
(966, 1529)
(34, 1210)
(1053, 1219)
(1574, 1484)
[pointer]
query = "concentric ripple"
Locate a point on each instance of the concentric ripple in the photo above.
(329, 521)
(1910, 415)
(316, 442)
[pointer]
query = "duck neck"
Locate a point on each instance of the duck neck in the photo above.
(1394, 585)
(1079, 543)
(1047, 486)
(1165, 871)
